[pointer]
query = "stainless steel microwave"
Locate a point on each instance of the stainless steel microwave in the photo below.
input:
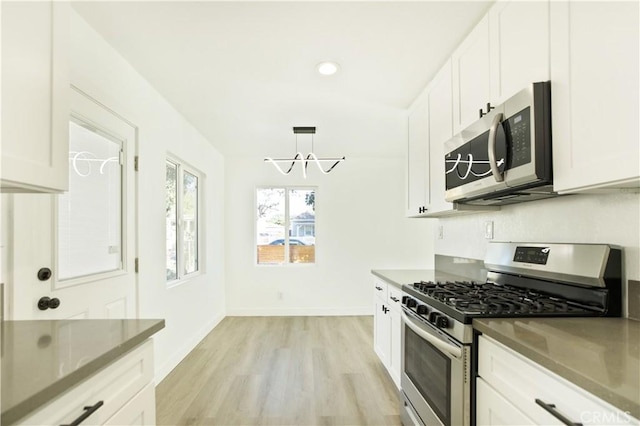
(505, 156)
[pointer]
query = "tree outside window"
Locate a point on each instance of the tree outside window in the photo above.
(182, 220)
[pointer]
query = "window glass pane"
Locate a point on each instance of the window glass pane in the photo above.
(171, 220)
(270, 225)
(90, 213)
(302, 225)
(190, 222)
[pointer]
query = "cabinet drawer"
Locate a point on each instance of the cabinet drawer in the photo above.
(141, 410)
(494, 409)
(522, 381)
(395, 297)
(115, 386)
(380, 289)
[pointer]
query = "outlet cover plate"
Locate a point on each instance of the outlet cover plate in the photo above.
(488, 230)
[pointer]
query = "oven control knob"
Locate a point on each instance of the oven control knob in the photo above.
(433, 316)
(412, 303)
(404, 299)
(422, 310)
(442, 321)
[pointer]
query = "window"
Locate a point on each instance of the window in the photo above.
(89, 215)
(285, 225)
(182, 224)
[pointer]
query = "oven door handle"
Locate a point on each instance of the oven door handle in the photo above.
(434, 340)
(493, 135)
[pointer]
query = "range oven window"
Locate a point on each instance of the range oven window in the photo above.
(430, 372)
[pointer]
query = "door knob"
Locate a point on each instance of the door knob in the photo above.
(48, 303)
(44, 274)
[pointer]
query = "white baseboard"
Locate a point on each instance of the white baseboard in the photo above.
(163, 371)
(299, 312)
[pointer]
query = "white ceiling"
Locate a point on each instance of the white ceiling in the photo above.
(244, 72)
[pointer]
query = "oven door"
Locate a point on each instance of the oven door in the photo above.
(435, 375)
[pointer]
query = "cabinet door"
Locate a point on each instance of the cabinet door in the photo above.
(382, 338)
(395, 328)
(594, 74)
(35, 96)
(519, 46)
(471, 76)
(418, 157)
(440, 131)
(492, 409)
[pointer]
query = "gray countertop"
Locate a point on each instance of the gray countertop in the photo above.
(600, 355)
(398, 277)
(42, 359)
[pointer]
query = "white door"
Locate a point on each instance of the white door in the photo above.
(85, 237)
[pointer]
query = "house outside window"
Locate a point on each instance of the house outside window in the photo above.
(285, 225)
(183, 189)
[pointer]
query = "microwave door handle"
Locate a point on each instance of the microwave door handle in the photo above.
(493, 135)
(435, 341)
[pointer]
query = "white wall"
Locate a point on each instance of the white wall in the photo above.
(360, 225)
(193, 308)
(606, 219)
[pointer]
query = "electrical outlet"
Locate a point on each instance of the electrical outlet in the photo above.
(488, 230)
(440, 232)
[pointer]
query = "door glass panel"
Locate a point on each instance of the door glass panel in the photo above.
(90, 213)
(190, 222)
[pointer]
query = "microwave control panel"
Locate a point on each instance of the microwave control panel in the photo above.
(518, 131)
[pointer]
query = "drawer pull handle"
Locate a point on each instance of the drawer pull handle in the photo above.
(395, 299)
(551, 408)
(87, 412)
(378, 288)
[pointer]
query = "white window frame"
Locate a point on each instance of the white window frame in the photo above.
(181, 167)
(287, 224)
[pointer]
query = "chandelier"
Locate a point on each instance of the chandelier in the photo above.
(305, 160)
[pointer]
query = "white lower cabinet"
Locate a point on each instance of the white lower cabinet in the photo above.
(123, 393)
(140, 410)
(387, 327)
(395, 330)
(381, 342)
(493, 409)
(512, 389)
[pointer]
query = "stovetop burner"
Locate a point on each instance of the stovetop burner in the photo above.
(488, 299)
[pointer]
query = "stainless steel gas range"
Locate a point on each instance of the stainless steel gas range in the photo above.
(523, 280)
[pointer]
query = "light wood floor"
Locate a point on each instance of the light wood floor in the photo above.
(281, 371)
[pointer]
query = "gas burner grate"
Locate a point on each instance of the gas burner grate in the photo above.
(471, 297)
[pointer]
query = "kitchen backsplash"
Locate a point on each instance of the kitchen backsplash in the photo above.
(472, 269)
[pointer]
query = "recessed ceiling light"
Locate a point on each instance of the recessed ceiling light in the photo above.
(328, 68)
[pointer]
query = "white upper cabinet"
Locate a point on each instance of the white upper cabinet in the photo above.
(519, 46)
(35, 96)
(440, 110)
(594, 74)
(418, 158)
(471, 82)
(503, 54)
